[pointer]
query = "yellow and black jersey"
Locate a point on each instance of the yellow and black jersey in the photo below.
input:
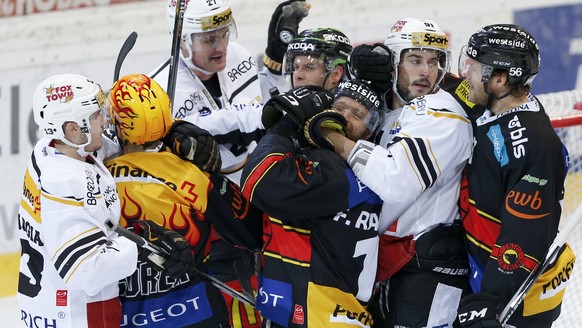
(160, 186)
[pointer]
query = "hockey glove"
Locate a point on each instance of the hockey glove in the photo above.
(479, 310)
(283, 28)
(299, 104)
(179, 258)
(194, 144)
(372, 63)
(329, 119)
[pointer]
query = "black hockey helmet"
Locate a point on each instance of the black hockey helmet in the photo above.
(509, 47)
(331, 44)
(361, 92)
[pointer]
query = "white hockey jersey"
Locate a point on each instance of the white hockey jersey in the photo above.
(71, 263)
(269, 80)
(416, 167)
(234, 120)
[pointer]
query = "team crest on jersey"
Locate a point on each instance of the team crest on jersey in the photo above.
(510, 257)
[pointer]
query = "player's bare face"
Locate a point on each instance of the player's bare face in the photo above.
(418, 71)
(355, 114)
(209, 49)
(473, 73)
(97, 122)
(308, 70)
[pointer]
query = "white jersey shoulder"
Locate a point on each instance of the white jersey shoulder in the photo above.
(417, 164)
(269, 81)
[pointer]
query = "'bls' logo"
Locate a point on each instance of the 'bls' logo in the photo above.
(525, 201)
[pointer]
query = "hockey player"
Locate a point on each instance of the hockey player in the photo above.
(216, 78)
(217, 89)
(415, 167)
(313, 57)
(513, 185)
(321, 235)
(156, 184)
(71, 263)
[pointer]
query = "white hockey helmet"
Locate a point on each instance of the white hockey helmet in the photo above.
(67, 98)
(200, 16)
(414, 33)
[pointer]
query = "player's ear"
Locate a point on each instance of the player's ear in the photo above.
(70, 128)
(336, 74)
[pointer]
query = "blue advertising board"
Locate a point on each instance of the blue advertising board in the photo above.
(558, 30)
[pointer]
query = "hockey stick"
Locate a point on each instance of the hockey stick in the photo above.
(175, 51)
(125, 48)
(551, 256)
(160, 259)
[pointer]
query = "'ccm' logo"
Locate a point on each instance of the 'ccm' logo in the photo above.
(472, 315)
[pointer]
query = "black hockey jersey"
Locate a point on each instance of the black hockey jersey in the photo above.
(320, 240)
(510, 201)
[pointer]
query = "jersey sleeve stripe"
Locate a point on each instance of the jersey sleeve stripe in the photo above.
(412, 166)
(448, 114)
(426, 159)
(66, 201)
(258, 172)
(421, 160)
(70, 254)
(71, 273)
(242, 87)
(35, 165)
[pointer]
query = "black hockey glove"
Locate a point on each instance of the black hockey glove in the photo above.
(283, 28)
(327, 119)
(372, 63)
(179, 259)
(479, 310)
(194, 144)
(299, 104)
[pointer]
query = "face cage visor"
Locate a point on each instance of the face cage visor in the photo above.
(306, 61)
(468, 64)
(213, 39)
(442, 63)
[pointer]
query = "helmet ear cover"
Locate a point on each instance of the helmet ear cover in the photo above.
(140, 108)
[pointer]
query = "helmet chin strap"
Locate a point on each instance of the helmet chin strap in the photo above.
(492, 97)
(80, 148)
(190, 64)
(395, 86)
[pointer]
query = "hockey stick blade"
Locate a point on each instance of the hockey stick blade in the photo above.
(125, 48)
(142, 242)
(549, 259)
